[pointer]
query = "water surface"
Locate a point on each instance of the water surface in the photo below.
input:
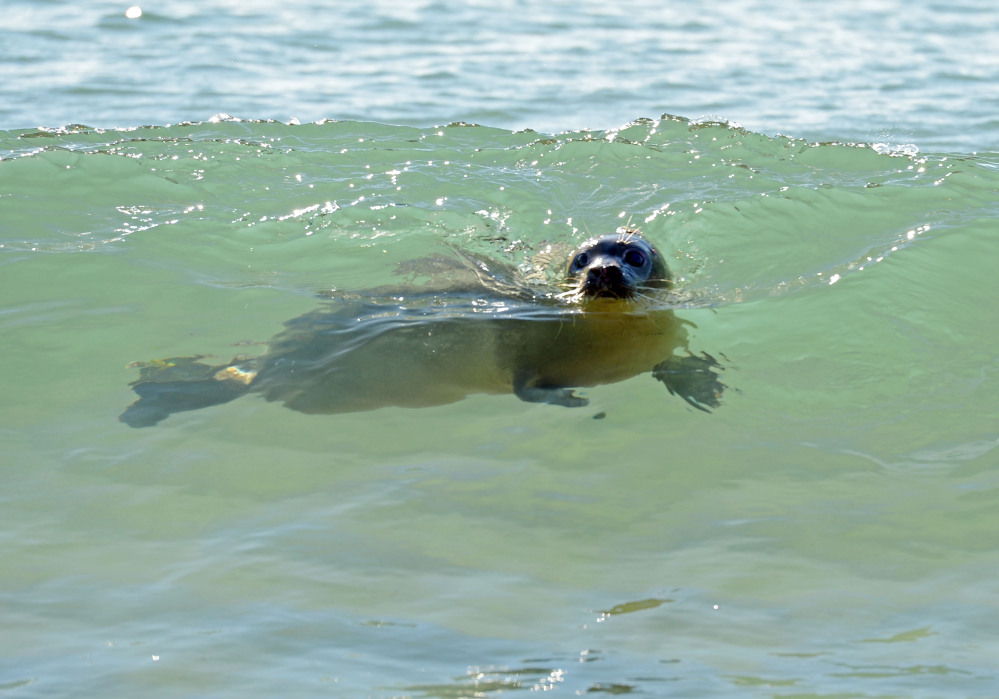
(921, 72)
(828, 531)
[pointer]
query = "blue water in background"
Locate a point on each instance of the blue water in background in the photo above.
(920, 72)
(829, 531)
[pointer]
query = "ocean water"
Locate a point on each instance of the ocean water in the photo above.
(830, 530)
(920, 72)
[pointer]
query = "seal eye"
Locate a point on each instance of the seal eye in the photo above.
(635, 258)
(581, 260)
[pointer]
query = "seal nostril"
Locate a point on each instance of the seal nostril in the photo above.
(607, 280)
(610, 273)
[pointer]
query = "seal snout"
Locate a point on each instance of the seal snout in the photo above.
(606, 279)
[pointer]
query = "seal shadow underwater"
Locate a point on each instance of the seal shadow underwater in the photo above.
(484, 333)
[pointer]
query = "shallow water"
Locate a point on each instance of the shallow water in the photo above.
(827, 530)
(830, 530)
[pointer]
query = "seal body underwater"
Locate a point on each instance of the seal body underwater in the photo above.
(488, 335)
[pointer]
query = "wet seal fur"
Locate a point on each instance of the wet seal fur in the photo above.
(483, 332)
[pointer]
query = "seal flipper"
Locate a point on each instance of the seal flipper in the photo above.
(180, 384)
(693, 378)
(528, 390)
(158, 400)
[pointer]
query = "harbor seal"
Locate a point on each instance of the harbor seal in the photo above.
(485, 331)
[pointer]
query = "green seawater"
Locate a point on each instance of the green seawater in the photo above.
(831, 530)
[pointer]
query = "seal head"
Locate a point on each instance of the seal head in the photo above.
(617, 266)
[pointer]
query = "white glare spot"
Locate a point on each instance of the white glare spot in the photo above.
(156, 657)
(134, 12)
(833, 279)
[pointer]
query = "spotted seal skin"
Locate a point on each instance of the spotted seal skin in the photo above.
(486, 334)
